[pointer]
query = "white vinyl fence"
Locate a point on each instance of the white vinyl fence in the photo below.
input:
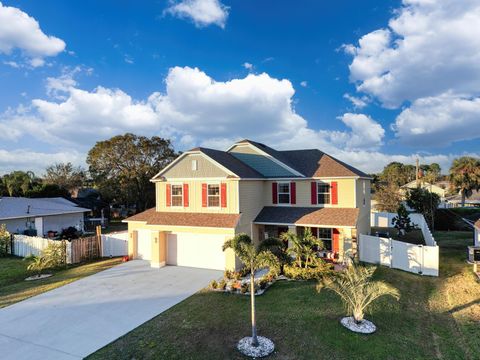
(115, 244)
(418, 259)
(384, 219)
(24, 246)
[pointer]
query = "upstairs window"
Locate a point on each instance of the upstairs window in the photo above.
(284, 193)
(213, 195)
(177, 195)
(323, 193)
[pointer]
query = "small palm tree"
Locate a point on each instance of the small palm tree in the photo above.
(465, 176)
(303, 247)
(357, 289)
(37, 264)
(254, 260)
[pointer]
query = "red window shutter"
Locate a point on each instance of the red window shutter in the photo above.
(274, 193)
(204, 195)
(313, 193)
(293, 193)
(336, 240)
(334, 191)
(223, 194)
(185, 195)
(168, 192)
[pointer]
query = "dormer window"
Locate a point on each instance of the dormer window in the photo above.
(284, 193)
(323, 193)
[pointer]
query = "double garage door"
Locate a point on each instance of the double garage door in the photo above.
(187, 249)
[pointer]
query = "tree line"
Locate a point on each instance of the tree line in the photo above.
(120, 168)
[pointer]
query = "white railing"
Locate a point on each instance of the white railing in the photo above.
(384, 219)
(419, 259)
(24, 246)
(115, 244)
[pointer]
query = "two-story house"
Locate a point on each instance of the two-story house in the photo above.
(207, 196)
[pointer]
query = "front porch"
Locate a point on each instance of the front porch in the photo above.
(339, 242)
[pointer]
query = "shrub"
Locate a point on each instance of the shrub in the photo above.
(263, 283)
(4, 240)
(54, 254)
(244, 287)
(222, 284)
(70, 233)
(232, 275)
(309, 273)
(213, 284)
(37, 264)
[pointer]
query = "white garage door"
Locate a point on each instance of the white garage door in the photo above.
(144, 250)
(196, 250)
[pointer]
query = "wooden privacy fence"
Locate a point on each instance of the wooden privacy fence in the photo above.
(85, 249)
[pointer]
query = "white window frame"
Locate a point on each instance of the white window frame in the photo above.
(219, 195)
(283, 193)
(329, 192)
(194, 165)
(171, 194)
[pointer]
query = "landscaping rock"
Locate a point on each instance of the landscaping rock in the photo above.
(265, 347)
(365, 327)
(38, 277)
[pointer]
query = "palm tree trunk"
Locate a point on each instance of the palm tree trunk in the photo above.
(252, 298)
(463, 197)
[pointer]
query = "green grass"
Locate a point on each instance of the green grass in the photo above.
(436, 318)
(13, 271)
(411, 237)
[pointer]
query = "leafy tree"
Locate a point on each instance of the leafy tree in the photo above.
(423, 202)
(402, 222)
(397, 173)
(433, 172)
(47, 190)
(388, 197)
(122, 167)
(465, 176)
(65, 175)
(18, 183)
(357, 289)
(254, 260)
(303, 247)
(4, 240)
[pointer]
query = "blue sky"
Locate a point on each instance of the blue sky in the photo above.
(369, 82)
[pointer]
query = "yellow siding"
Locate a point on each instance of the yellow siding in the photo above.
(251, 202)
(195, 197)
(205, 168)
(346, 193)
(244, 149)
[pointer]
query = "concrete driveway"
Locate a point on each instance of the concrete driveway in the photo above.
(77, 319)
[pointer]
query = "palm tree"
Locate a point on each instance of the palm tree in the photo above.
(37, 264)
(357, 289)
(465, 176)
(302, 247)
(254, 260)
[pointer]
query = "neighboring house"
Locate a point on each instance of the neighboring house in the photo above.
(207, 196)
(433, 188)
(476, 241)
(472, 201)
(41, 214)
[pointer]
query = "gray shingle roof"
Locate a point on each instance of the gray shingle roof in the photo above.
(20, 207)
(231, 163)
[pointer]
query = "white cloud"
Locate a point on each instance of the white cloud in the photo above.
(20, 31)
(439, 120)
(304, 83)
(429, 47)
(358, 103)
(201, 12)
(193, 110)
(25, 159)
(13, 64)
(248, 66)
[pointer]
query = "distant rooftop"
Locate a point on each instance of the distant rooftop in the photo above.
(20, 207)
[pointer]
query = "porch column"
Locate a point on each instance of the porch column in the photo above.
(132, 244)
(292, 229)
(159, 248)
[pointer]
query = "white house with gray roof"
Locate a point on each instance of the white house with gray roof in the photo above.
(42, 214)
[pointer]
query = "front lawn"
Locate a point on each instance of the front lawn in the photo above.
(13, 271)
(436, 318)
